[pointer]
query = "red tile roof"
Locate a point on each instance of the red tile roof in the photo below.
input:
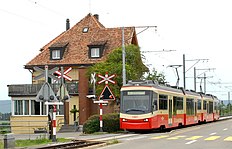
(76, 52)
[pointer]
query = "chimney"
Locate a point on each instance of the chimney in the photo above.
(67, 24)
(96, 16)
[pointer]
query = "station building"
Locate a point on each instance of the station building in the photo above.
(84, 44)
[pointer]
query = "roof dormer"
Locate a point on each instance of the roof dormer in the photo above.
(57, 51)
(96, 49)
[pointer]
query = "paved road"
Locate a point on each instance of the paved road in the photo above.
(217, 135)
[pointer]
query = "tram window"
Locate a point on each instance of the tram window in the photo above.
(136, 102)
(210, 107)
(154, 101)
(216, 106)
(204, 105)
(163, 102)
(199, 104)
(177, 104)
(189, 106)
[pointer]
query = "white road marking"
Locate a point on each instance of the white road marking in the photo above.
(190, 142)
(213, 133)
(115, 137)
(135, 138)
(225, 129)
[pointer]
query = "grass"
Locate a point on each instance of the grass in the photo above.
(95, 133)
(38, 141)
(113, 141)
(1, 144)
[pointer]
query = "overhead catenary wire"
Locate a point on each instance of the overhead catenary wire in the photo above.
(47, 8)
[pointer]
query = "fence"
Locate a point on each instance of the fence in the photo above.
(27, 126)
(5, 127)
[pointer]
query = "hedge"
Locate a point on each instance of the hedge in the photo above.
(110, 123)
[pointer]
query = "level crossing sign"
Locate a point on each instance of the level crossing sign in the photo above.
(65, 74)
(106, 94)
(43, 72)
(46, 93)
(106, 78)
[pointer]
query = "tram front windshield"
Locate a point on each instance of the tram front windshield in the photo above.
(136, 102)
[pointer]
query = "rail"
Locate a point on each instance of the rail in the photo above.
(74, 144)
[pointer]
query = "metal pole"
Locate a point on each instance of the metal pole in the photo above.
(101, 122)
(94, 84)
(123, 59)
(195, 80)
(62, 74)
(204, 83)
(46, 73)
(62, 83)
(184, 71)
(54, 124)
(229, 102)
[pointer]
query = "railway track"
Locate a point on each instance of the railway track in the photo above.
(72, 145)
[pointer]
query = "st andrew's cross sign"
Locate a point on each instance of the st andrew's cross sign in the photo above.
(106, 93)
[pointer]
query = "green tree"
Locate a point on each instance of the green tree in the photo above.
(135, 69)
(154, 75)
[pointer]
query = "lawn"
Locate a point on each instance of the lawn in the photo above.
(38, 141)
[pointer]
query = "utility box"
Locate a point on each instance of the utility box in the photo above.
(9, 141)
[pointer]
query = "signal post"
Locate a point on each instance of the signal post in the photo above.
(47, 95)
(105, 95)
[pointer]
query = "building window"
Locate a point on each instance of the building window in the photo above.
(18, 107)
(85, 30)
(26, 107)
(95, 52)
(35, 108)
(96, 49)
(61, 110)
(57, 50)
(44, 107)
(55, 54)
(31, 108)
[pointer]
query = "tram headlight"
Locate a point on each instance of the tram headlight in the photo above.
(146, 120)
(124, 120)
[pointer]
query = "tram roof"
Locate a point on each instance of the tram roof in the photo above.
(167, 87)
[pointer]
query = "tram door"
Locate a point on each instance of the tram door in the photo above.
(195, 110)
(170, 112)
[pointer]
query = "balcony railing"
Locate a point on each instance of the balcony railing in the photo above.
(33, 89)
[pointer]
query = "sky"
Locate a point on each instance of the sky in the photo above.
(200, 29)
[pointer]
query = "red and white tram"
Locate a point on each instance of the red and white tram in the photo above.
(147, 105)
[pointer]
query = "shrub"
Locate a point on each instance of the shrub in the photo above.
(92, 124)
(110, 123)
